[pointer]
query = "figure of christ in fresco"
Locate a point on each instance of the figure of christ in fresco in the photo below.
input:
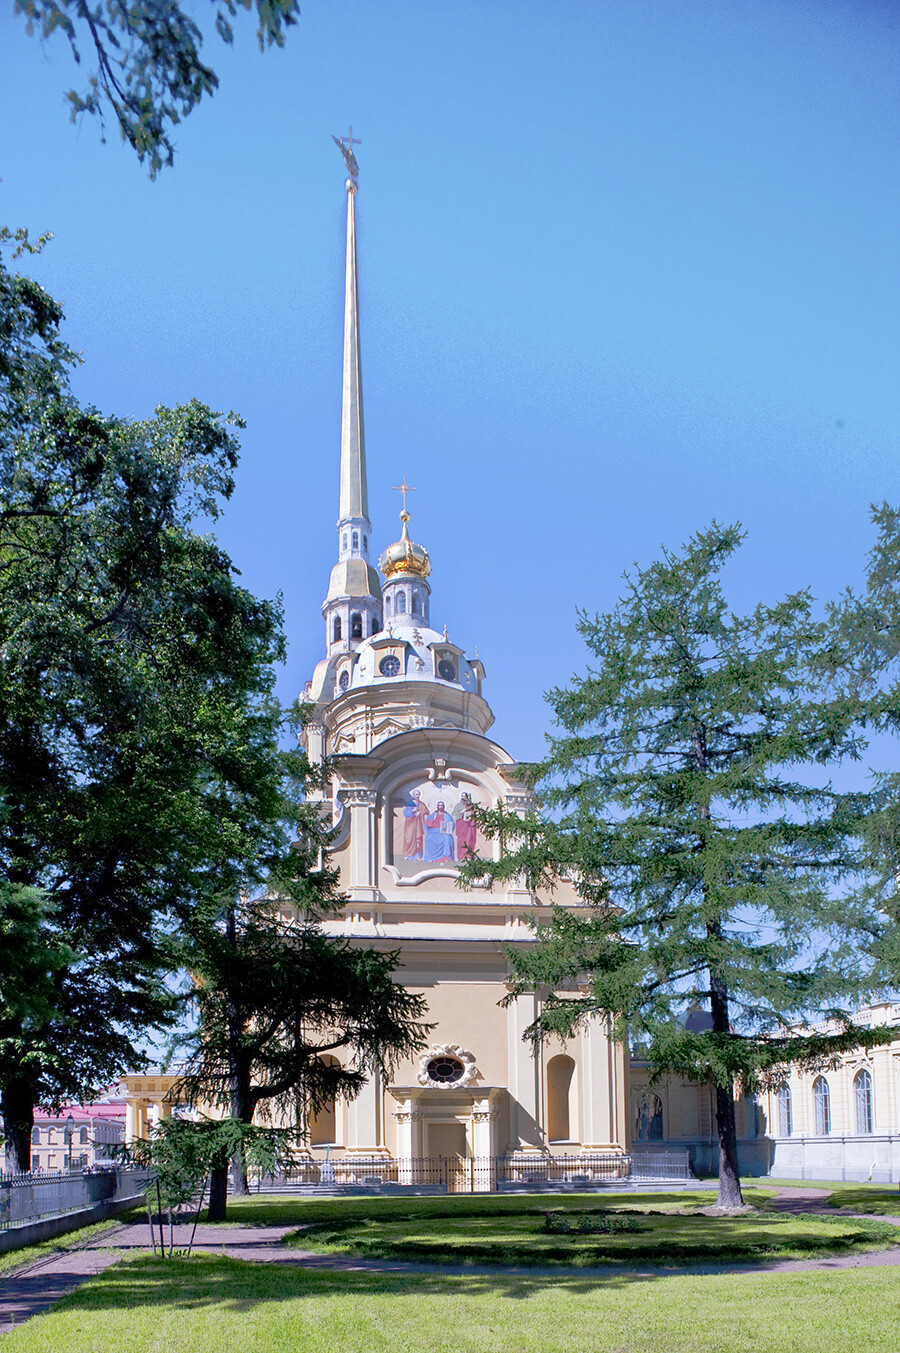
(465, 828)
(439, 841)
(414, 814)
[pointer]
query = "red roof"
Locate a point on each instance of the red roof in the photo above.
(111, 1108)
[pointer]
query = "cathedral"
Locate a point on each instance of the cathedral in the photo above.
(398, 710)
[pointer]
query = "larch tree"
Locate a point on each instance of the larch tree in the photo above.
(686, 796)
(288, 1017)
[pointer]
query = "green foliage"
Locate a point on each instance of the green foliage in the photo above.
(148, 68)
(686, 802)
(136, 722)
(589, 1223)
(288, 1016)
(32, 959)
(181, 1154)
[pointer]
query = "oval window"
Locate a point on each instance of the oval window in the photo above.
(446, 1070)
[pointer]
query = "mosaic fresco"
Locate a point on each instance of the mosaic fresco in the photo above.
(433, 826)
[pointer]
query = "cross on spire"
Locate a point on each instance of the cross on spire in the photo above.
(404, 488)
(350, 140)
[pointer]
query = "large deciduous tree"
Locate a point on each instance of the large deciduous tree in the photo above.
(147, 68)
(686, 796)
(128, 658)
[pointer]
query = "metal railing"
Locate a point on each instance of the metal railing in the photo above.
(482, 1174)
(28, 1198)
(649, 1165)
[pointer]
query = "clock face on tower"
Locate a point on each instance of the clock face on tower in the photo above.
(389, 666)
(447, 669)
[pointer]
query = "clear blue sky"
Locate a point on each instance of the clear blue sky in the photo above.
(626, 266)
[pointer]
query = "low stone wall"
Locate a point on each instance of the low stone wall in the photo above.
(33, 1232)
(875, 1157)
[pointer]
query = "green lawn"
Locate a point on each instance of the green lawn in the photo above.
(271, 1210)
(875, 1199)
(207, 1303)
(514, 1231)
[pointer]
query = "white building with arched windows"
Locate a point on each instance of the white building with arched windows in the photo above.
(841, 1121)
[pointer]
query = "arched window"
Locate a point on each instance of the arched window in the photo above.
(376, 625)
(83, 1136)
(356, 626)
(415, 604)
(648, 1118)
(387, 605)
(336, 631)
(822, 1106)
(365, 542)
(561, 1105)
(401, 603)
(35, 1136)
(862, 1087)
(323, 1123)
(356, 540)
(785, 1111)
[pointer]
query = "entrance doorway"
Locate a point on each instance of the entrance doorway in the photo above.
(447, 1151)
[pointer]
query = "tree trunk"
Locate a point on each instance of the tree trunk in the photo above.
(218, 1193)
(729, 1178)
(242, 1103)
(17, 1108)
(239, 1183)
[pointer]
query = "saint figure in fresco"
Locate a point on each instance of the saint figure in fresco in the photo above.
(414, 813)
(439, 840)
(465, 827)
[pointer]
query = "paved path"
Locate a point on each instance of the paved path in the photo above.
(27, 1291)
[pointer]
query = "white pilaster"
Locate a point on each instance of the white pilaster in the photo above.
(363, 844)
(409, 1141)
(524, 1077)
(365, 1122)
(602, 1079)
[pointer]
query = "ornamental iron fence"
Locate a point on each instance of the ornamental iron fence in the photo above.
(26, 1198)
(481, 1174)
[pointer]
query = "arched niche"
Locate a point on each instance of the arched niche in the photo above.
(562, 1103)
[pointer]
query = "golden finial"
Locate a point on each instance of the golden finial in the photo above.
(404, 556)
(446, 635)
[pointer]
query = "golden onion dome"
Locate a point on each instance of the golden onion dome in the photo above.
(405, 556)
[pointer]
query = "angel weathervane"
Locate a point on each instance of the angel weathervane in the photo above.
(345, 145)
